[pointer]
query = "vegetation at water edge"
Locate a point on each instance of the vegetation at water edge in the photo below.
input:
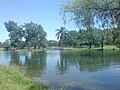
(12, 79)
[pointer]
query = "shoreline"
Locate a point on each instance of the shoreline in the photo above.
(11, 78)
(66, 48)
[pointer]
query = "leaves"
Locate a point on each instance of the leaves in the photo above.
(32, 34)
(62, 35)
(88, 13)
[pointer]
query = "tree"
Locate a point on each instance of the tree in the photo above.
(1, 45)
(81, 16)
(6, 45)
(62, 36)
(86, 37)
(108, 37)
(52, 43)
(88, 14)
(15, 33)
(34, 35)
(116, 37)
(10, 26)
(72, 38)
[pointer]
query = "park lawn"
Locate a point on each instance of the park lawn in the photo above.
(108, 47)
(93, 48)
(75, 48)
(111, 47)
(28, 50)
(1, 49)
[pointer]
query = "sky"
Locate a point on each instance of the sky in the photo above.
(44, 12)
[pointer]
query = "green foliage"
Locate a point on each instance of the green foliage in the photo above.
(12, 79)
(73, 38)
(15, 33)
(31, 35)
(42, 87)
(6, 45)
(27, 35)
(91, 38)
(89, 14)
(38, 87)
(10, 26)
(116, 36)
(1, 45)
(52, 43)
(62, 36)
(34, 35)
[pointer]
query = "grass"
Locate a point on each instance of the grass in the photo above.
(27, 50)
(1, 49)
(12, 79)
(75, 48)
(93, 48)
(109, 47)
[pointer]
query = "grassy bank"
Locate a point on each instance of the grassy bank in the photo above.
(12, 79)
(93, 48)
(66, 48)
(71, 48)
(1, 49)
(27, 50)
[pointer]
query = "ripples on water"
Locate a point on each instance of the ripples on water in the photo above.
(74, 70)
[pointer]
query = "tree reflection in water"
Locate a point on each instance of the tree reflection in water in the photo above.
(33, 63)
(88, 60)
(62, 63)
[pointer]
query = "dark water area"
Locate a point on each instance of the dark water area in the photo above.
(73, 70)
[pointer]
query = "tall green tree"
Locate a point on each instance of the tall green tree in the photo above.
(62, 36)
(82, 16)
(88, 14)
(116, 37)
(52, 43)
(86, 37)
(1, 45)
(34, 35)
(72, 38)
(108, 37)
(6, 44)
(15, 33)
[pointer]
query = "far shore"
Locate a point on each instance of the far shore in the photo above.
(66, 48)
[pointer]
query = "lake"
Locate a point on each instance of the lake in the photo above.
(73, 70)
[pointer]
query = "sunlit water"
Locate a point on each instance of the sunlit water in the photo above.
(73, 70)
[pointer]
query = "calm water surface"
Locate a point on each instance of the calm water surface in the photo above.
(74, 70)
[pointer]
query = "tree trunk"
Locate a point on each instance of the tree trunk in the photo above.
(35, 46)
(90, 44)
(102, 44)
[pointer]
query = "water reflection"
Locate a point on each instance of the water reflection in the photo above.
(98, 70)
(76, 70)
(35, 63)
(62, 63)
(15, 58)
(88, 61)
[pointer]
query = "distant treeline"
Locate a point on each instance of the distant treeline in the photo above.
(31, 35)
(88, 38)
